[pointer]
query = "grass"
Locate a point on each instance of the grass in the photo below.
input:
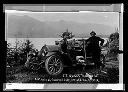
(109, 74)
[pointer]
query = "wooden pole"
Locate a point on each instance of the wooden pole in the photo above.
(84, 49)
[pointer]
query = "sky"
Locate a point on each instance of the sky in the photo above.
(107, 18)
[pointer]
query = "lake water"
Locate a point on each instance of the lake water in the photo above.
(39, 42)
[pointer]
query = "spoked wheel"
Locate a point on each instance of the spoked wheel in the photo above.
(54, 65)
(31, 64)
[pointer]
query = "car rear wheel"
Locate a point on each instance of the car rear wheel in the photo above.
(54, 65)
(102, 59)
(31, 64)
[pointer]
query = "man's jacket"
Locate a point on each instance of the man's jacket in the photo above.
(93, 42)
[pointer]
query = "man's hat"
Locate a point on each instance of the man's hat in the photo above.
(93, 33)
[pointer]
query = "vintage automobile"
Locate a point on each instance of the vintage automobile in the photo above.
(55, 61)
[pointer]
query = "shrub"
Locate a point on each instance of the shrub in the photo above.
(18, 55)
(113, 43)
(112, 76)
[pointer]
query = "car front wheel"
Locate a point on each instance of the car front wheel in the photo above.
(54, 65)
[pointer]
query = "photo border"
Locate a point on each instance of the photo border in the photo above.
(47, 86)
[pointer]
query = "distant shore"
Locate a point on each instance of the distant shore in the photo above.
(39, 42)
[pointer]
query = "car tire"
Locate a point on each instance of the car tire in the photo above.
(54, 65)
(30, 65)
(102, 61)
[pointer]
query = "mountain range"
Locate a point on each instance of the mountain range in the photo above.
(26, 26)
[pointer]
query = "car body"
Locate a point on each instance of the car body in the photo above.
(54, 60)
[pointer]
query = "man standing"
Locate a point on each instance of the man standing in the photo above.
(94, 48)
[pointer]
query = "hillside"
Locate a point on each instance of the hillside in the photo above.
(25, 25)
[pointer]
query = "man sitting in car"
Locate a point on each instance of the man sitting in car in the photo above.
(64, 43)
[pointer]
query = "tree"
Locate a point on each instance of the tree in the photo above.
(18, 54)
(27, 46)
(114, 43)
(114, 36)
(12, 55)
(68, 34)
(24, 49)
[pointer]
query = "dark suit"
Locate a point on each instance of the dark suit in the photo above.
(93, 48)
